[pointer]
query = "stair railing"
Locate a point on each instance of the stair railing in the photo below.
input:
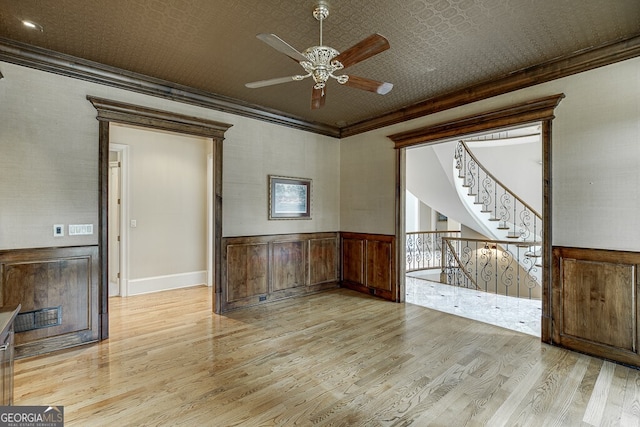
(513, 214)
(424, 249)
(496, 266)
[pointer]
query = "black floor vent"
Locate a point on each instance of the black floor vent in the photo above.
(38, 319)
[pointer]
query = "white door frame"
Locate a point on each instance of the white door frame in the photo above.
(123, 150)
(210, 213)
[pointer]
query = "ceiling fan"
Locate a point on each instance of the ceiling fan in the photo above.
(321, 62)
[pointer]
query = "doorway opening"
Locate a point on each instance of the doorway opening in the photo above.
(473, 227)
(165, 207)
(110, 111)
(540, 111)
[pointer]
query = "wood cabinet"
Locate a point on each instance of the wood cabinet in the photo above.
(7, 318)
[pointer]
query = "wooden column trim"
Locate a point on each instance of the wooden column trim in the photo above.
(547, 246)
(103, 238)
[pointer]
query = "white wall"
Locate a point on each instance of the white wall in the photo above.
(596, 151)
(49, 162)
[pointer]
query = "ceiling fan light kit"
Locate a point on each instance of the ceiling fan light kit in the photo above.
(321, 62)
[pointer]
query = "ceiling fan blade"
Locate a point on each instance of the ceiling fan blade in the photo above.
(317, 98)
(381, 88)
(270, 82)
(368, 47)
(281, 46)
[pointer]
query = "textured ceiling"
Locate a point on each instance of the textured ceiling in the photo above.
(437, 46)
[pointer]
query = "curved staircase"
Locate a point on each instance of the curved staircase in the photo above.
(503, 215)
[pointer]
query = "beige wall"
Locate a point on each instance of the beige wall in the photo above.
(596, 179)
(48, 167)
(49, 161)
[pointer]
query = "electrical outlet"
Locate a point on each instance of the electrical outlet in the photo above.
(58, 230)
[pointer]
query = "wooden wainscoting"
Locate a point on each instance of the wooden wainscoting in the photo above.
(56, 280)
(595, 302)
(259, 269)
(368, 264)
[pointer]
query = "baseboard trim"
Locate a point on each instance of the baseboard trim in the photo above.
(164, 283)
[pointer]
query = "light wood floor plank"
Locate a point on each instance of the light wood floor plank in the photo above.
(336, 358)
(597, 403)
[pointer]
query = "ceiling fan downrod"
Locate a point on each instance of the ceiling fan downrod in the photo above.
(321, 12)
(321, 64)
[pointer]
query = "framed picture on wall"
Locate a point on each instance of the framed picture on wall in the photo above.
(289, 198)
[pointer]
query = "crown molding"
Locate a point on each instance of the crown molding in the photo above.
(70, 66)
(577, 62)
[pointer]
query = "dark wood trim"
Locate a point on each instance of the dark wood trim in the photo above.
(371, 265)
(103, 221)
(537, 110)
(547, 315)
(39, 278)
(609, 288)
(118, 112)
(574, 63)
(250, 268)
(217, 225)
(401, 207)
(69, 66)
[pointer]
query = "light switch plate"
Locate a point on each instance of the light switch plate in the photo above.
(58, 230)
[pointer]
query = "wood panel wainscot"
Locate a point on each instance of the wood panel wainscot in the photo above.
(368, 264)
(259, 269)
(595, 302)
(58, 291)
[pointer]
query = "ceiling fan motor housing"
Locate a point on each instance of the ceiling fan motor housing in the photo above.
(321, 64)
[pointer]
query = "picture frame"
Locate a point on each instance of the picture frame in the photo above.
(289, 198)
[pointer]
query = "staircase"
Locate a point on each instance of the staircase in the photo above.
(515, 225)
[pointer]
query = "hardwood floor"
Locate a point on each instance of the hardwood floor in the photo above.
(335, 358)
